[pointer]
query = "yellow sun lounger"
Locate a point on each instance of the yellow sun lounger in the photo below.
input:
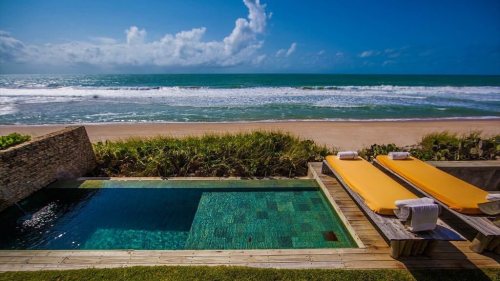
(378, 191)
(457, 197)
(457, 194)
(375, 193)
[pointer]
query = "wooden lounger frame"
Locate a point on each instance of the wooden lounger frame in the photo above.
(488, 234)
(402, 241)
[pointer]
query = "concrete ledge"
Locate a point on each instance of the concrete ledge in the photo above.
(483, 174)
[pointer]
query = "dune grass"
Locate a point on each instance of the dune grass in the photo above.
(256, 154)
(12, 139)
(261, 154)
(245, 273)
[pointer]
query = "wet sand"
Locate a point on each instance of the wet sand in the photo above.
(340, 134)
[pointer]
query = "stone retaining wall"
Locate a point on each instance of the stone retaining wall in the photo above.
(483, 174)
(30, 166)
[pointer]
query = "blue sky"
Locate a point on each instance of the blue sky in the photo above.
(124, 36)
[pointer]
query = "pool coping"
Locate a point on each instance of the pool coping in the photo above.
(191, 178)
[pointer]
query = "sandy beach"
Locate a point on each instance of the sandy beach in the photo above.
(343, 135)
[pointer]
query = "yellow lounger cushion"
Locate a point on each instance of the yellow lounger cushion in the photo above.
(453, 192)
(378, 191)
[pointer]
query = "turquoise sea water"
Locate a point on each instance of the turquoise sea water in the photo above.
(49, 99)
(175, 215)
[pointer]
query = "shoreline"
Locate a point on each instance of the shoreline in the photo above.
(340, 134)
(382, 120)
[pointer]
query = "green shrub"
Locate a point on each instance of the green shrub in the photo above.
(444, 147)
(256, 154)
(378, 149)
(12, 139)
(443, 139)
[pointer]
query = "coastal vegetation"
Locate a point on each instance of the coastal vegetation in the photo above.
(12, 139)
(262, 154)
(444, 146)
(256, 154)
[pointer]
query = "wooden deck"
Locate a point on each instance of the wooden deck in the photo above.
(402, 242)
(374, 254)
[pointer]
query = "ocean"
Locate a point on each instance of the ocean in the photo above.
(55, 99)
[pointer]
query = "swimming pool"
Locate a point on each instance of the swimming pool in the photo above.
(175, 214)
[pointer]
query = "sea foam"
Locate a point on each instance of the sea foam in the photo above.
(199, 96)
(76, 104)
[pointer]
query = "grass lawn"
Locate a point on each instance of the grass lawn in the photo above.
(245, 273)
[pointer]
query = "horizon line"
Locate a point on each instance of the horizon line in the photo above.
(261, 73)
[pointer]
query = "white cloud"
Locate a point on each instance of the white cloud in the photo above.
(388, 62)
(103, 40)
(287, 52)
(390, 53)
(259, 59)
(291, 50)
(185, 48)
(135, 35)
(369, 53)
(10, 47)
(321, 52)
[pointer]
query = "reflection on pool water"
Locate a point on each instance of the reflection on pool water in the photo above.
(227, 214)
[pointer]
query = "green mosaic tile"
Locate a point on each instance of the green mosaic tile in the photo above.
(184, 215)
(264, 228)
(262, 215)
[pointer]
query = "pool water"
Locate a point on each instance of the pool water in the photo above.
(162, 215)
